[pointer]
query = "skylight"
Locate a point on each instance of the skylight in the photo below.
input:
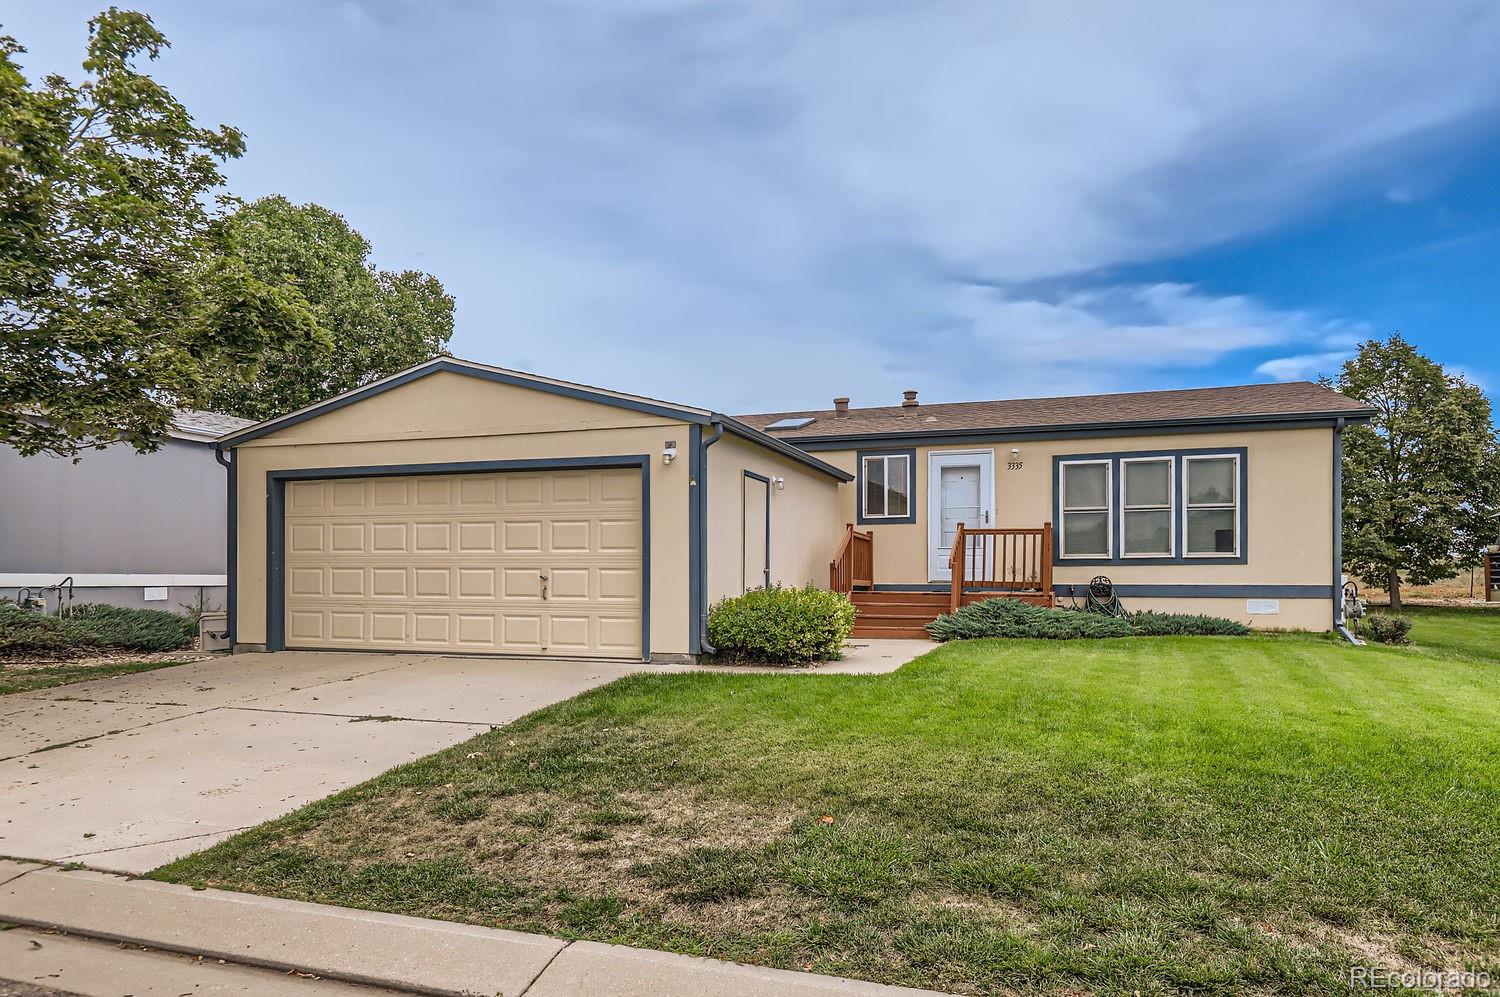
(794, 423)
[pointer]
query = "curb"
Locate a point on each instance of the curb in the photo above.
(416, 955)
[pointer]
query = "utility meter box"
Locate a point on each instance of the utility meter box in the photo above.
(213, 632)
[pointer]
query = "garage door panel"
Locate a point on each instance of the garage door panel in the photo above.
(620, 536)
(432, 628)
(305, 625)
(575, 488)
(346, 538)
(476, 538)
(434, 491)
(433, 538)
(570, 535)
(346, 581)
(456, 562)
(305, 538)
(388, 583)
(388, 538)
(476, 583)
(570, 583)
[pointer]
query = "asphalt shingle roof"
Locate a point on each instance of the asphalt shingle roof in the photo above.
(1245, 401)
(191, 420)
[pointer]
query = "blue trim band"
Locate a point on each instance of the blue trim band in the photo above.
(1224, 591)
(276, 519)
(1150, 591)
(911, 488)
(1179, 530)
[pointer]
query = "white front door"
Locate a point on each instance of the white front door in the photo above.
(960, 489)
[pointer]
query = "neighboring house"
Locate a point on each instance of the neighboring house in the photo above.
(466, 508)
(128, 529)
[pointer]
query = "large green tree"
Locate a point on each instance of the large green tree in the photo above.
(117, 302)
(1422, 481)
(374, 322)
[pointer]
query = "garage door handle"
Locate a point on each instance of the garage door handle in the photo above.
(544, 587)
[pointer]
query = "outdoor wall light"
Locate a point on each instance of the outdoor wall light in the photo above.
(669, 452)
(780, 483)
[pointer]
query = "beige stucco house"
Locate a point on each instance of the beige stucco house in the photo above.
(464, 508)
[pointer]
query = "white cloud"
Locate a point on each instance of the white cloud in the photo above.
(1305, 366)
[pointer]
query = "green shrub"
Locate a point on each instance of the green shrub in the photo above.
(1388, 629)
(1013, 618)
(91, 627)
(131, 629)
(1153, 624)
(781, 625)
(35, 634)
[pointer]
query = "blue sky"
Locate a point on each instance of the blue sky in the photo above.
(762, 205)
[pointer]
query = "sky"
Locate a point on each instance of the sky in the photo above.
(760, 206)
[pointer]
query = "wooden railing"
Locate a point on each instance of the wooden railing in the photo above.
(854, 564)
(1000, 560)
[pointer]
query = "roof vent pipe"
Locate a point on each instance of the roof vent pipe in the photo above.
(841, 408)
(909, 398)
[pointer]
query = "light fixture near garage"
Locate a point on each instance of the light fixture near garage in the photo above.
(669, 452)
(780, 483)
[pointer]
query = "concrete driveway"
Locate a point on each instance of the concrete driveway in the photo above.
(131, 772)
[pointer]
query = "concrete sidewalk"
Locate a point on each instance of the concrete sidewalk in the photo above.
(347, 950)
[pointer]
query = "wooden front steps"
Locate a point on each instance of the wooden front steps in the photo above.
(906, 614)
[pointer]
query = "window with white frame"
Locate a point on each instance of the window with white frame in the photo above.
(1211, 507)
(887, 486)
(1146, 507)
(1085, 488)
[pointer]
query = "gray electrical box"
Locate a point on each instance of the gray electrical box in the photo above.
(213, 632)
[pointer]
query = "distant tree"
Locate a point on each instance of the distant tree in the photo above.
(1421, 481)
(116, 302)
(373, 322)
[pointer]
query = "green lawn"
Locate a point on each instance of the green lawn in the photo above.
(31, 679)
(1185, 815)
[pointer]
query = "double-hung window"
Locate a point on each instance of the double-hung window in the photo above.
(887, 480)
(1085, 486)
(1211, 511)
(1146, 506)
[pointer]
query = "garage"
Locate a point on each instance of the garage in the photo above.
(460, 508)
(545, 562)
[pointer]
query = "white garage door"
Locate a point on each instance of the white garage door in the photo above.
(545, 562)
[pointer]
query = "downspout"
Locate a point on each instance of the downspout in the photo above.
(1339, 623)
(701, 568)
(231, 536)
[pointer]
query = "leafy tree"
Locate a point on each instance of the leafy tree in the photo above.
(116, 301)
(374, 322)
(1420, 482)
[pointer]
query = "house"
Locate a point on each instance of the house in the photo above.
(460, 507)
(119, 527)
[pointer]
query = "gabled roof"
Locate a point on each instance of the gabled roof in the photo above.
(197, 424)
(1296, 401)
(535, 382)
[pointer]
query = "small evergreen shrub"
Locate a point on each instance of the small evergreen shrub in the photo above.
(781, 626)
(1012, 618)
(34, 634)
(1388, 629)
(91, 627)
(1153, 624)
